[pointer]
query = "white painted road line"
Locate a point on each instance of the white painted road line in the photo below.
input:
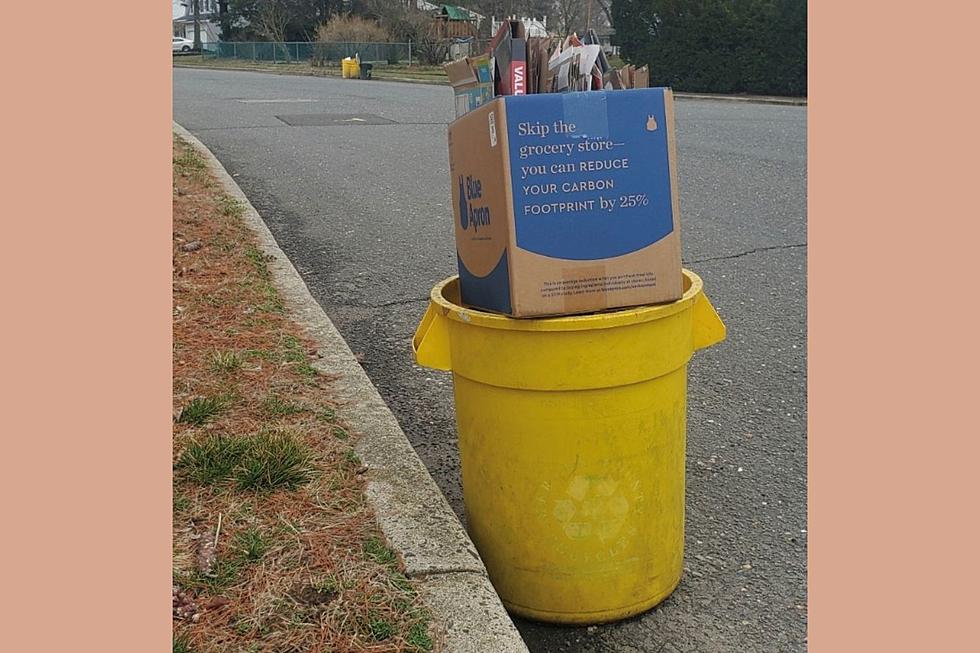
(277, 100)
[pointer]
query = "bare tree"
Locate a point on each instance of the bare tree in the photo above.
(197, 25)
(605, 6)
(569, 15)
(272, 18)
(405, 22)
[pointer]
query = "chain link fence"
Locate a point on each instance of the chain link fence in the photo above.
(318, 53)
(324, 53)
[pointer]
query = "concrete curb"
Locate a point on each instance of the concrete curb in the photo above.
(751, 99)
(412, 512)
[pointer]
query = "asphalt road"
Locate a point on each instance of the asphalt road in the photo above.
(363, 211)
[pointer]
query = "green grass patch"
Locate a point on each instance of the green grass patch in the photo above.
(418, 636)
(276, 406)
(273, 300)
(260, 260)
(182, 644)
(340, 433)
(261, 462)
(380, 629)
(306, 370)
(382, 70)
(351, 458)
(379, 552)
(326, 414)
(181, 502)
(222, 243)
(251, 545)
(292, 350)
(262, 354)
(224, 362)
(401, 582)
(274, 461)
(189, 162)
(212, 459)
(230, 207)
(200, 410)
(225, 573)
(326, 584)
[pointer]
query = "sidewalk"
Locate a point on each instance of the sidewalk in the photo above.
(302, 516)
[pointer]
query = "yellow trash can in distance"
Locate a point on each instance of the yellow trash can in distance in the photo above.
(350, 68)
(572, 439)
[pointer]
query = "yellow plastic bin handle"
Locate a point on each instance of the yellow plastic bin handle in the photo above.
(431, 342)
(708, 327)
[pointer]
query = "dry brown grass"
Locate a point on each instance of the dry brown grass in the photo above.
(301, 569)
(355, 29)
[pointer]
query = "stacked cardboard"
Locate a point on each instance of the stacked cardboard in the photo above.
(564, 188)
(516, 65)
(472, 82)
(509, 49)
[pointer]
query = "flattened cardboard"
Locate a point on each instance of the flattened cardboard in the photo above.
(612, 80)
(641, 77)
(537, 63)
(472, 82)
(567, 203)
(509, 50)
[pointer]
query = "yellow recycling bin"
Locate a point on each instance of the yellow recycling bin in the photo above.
(350, 68)
(571, 439)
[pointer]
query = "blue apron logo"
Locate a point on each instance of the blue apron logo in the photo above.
(478, 216)
(464, 217)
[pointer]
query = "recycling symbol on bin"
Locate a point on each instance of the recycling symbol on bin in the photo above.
(589, 506)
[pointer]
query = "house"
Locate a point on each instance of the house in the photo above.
(532, 26)
(604, 31)
(431, 8)
(183, 19)
(451, 22)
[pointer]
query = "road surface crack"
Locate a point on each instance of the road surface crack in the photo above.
(755, 250)
(437, 571)
(397, 302)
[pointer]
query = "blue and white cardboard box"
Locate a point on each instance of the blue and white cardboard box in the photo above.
(567, 203)
(472, 82)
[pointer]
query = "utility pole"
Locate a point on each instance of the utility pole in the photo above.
(223, 20)
(197, 25)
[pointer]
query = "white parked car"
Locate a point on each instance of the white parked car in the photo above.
(183, 45)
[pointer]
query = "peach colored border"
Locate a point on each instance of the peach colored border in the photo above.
(893, 536)
(86, 319)
(86, 278)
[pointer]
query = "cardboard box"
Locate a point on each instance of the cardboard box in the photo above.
(641, 77)
(567, 202)
(509, 49)
(472, 82)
